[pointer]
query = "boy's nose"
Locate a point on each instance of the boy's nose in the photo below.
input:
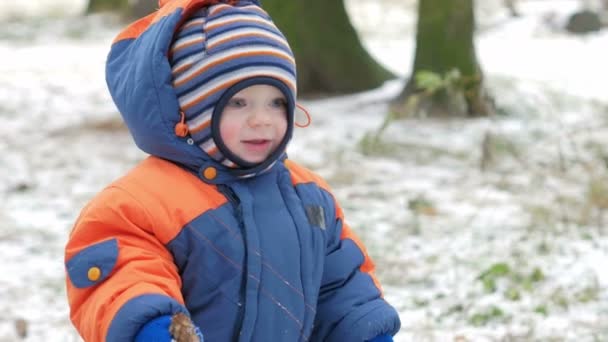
(259, 117)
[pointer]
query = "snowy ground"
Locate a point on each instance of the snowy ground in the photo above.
(511, 251)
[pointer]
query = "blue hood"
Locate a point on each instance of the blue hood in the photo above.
(138, 74)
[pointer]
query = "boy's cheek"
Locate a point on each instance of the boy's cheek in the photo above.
(229, 133)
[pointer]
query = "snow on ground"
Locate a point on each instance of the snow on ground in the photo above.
(514, 250)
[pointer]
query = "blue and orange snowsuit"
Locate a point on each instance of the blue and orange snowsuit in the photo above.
(267, 258)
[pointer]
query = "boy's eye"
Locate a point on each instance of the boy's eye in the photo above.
(279, 103)
(236, 103)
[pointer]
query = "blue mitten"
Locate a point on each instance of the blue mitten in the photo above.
(382, 338)
(160, 328)
(157, 330)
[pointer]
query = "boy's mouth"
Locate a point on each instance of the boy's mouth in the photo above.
(257, 145)
(256, 141)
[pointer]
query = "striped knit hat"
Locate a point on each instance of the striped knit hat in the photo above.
(218, 51)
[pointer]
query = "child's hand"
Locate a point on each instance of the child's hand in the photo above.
(183, 330)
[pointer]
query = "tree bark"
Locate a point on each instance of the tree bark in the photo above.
(119, 6)
(329, 54)
(512, 7)
(141, 8)
(444, 42)
(129, 9)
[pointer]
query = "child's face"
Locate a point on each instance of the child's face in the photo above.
(254, 122)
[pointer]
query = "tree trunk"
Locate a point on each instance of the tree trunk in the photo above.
(444, 42)
(107, 5)
(330, 57)
(129, 9)
(512, 7)
(141, 8)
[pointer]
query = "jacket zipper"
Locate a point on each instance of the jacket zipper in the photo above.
(238, 211)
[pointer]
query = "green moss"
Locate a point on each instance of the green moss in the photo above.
(492, 274)
(484, 317)
(541, 309)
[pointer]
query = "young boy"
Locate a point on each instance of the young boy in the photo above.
(217, 233)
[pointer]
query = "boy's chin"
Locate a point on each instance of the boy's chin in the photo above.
(255, 159)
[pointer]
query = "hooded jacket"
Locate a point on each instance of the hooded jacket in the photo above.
(261, 258)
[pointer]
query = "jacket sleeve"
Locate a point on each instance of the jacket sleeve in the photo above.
(350, 306)
(119, 273)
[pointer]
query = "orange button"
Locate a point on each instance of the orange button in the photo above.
(210, 173)
(94, 273)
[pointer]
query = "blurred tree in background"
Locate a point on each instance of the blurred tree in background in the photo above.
(141, 8)
(329, 54)
(511, 6)
(446, 77)
(131, 9)
(107, 5)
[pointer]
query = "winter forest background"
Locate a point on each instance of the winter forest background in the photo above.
(483, 228)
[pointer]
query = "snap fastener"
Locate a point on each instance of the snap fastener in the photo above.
(210, 173)
(94, 273)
